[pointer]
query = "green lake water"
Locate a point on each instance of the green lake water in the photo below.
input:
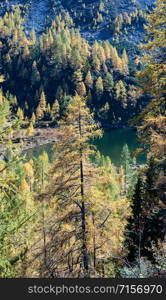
(110, 144)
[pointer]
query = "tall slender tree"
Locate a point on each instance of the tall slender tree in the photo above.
(81, 196)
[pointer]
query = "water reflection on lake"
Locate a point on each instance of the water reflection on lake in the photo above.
(110, 144)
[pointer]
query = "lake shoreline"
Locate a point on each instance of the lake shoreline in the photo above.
(110, 144)
(45, 136)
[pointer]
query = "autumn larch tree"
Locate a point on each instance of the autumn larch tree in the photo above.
(79, 192)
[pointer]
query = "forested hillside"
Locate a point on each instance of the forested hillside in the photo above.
(58, 63)
(69, 72)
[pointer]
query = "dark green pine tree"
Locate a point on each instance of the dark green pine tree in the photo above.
(108, 82)
(135, 227)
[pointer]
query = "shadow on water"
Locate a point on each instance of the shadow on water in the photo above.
(111, 144)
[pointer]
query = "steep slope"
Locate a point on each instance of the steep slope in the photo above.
(36, 12)
(37, 17)
(120, 21)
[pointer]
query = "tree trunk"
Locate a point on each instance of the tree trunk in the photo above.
(94, 245)
(43, 225)
(83, 211)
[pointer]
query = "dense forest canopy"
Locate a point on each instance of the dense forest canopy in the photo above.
(78, 215)
(60, 62)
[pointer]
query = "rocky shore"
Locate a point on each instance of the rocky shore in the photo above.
(40, 137)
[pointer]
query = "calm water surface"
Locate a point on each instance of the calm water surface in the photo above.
(110, 144)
